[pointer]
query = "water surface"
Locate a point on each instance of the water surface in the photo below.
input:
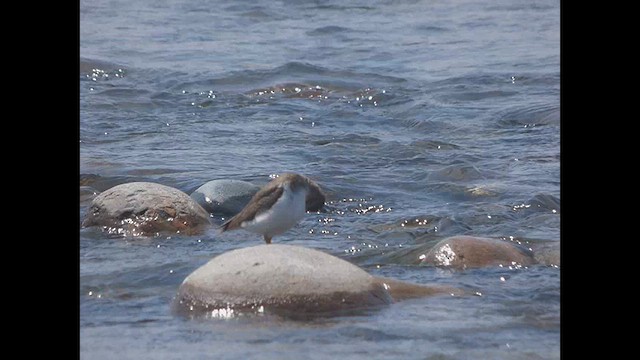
(421, 119)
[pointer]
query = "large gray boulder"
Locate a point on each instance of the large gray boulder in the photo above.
(461, 252)
(279, 279)
(224, 197)
(290, 281)
(144, 209)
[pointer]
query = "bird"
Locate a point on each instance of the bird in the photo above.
(277, 206)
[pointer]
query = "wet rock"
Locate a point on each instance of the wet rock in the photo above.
(88, 179)
(144, 209)
(90, 65)
(456, 172)
(541, 203)
(224, 197)
(461, 252)
(102, 183)
(547, 253)
(280, 279)
(545, 202)
(87, 194)
(423, 225)
(401, 290)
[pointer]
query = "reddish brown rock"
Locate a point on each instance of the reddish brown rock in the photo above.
(463, 252)
(401, 290)
(144, 209)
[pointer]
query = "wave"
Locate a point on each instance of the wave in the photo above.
(531, 115)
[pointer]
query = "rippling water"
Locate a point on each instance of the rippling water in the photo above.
(421, 119)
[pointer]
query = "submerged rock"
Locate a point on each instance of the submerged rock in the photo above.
(455, 173)
(144, 209)
(425, 224)
(463, 252)
(102, 183)
(87, 193)
(401, 290)
(547, 253)
(544, 203)
(224, 197)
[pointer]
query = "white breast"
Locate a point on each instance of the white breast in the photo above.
(283, 215)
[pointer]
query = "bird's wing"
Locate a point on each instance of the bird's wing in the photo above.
(263, 199)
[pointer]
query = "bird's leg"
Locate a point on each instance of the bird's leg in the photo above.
(267, 239)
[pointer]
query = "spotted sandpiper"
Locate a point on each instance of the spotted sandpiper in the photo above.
(278, 206)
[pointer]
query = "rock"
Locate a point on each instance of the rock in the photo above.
(456, 172)
(102, 183)
(425, 224)
(463, 252)
(87, 194)
(545, 202)
(280, 279)
(224, 197)
(400, 290)
(144, 209)
(88, 179)
(547, 253)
